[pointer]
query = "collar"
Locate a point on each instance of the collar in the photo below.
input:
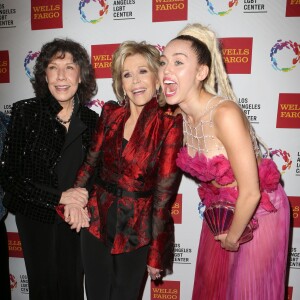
(54, 107)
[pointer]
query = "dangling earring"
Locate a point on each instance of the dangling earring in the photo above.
(157, 94)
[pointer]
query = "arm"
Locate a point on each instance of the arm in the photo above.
(91, 161)
(168, 178)
(232, 129)
(73, 214)
(12, 179)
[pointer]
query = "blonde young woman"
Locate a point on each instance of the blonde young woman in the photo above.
(222, 151)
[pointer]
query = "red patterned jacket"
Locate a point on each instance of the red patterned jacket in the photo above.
(147, 163)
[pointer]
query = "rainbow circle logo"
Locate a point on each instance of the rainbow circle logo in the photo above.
(102, 11)
(279, 46)
(13, 282)
(213, 11)
(95, 103)
(285, 156)
(201, 209)
(31, 56)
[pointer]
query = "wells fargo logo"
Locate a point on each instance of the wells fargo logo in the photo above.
(14, 245)
(169, 10)
(4, 66)
(102, 59)
(177, 209)
(29, 62)
(285, 55)
(237, 54)
(92, 11)
(165, 290)
(289, 293)
(292, 8)
(221, 8)
(288, 112)
(295, 207)
(46, 14)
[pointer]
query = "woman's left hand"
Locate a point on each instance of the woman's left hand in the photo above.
(76, 216)
(154, 273)
(226, 243)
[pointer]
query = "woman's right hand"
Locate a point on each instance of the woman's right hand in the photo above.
(77, 196)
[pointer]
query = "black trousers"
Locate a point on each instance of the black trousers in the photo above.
(4, 264)
(109, 276)
(53, 260)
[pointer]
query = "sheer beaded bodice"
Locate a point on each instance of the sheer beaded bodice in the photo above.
(204, 158)
(201, 138)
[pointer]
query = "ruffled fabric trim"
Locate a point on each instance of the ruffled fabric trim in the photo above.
(218, 168)
(206, 169)
(269, 178)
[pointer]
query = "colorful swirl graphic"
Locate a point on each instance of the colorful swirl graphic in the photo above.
(95, 103)
(212, 10)
(286, 158)
(31, 56)
(102, 11)
(280, 45)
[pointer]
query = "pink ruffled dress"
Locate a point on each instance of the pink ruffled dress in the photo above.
(257, 270)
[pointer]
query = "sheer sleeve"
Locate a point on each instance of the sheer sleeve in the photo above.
(160, 254)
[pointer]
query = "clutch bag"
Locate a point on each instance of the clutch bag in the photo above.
(219, 218)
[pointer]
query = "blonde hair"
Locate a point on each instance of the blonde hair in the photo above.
(128, 48)
(218, 82)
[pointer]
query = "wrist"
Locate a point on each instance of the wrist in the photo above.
(231, 238)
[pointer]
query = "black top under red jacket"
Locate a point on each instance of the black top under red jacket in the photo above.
(37, 152)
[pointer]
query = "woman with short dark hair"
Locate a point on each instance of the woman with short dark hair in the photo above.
(46, 144)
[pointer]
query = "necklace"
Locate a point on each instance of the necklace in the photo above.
(61, 121)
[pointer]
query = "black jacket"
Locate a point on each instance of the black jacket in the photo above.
(31, 161)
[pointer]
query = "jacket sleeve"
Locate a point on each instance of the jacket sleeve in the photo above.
(14, 183)
(160, 254)
(91, 161)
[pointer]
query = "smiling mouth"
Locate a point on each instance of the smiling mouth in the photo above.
(170, 87)
(61, 87)
(138, 91)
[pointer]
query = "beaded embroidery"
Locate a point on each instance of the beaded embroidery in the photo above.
(200, 138)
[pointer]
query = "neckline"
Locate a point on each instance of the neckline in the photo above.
(206, 110)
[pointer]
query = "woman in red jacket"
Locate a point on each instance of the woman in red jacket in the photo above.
(134, 151)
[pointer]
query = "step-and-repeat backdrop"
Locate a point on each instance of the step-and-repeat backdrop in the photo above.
(261, 48)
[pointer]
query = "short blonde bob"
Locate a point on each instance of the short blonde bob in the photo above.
(128, 48)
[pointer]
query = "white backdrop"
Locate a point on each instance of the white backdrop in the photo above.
(261, 47)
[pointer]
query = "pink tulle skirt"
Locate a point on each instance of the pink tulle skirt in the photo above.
(257, 270)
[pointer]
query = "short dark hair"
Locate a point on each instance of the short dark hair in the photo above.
(57, 49)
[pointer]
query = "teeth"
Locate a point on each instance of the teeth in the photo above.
(138, 91)
(169, 82)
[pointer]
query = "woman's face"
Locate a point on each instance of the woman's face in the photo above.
(139, 82)
(63, 77)
(179, 72)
